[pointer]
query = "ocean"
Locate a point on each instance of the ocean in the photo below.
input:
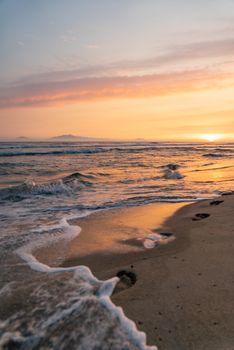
(43, 186)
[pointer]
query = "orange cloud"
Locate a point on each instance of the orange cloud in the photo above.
(88, 89)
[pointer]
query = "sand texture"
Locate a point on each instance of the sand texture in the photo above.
(183, 297)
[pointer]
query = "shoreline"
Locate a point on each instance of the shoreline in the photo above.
(181, 297)
(107, 235)
(184, 297)
(183, 294)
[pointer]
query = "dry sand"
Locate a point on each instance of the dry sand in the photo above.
(184, 294)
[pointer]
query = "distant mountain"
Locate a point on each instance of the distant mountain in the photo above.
(64, 137)
(59, 138)
(70, 137)
(22, 138)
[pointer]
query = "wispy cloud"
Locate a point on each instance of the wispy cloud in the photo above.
(68, 37)
(127, 79)
(41, 94)
(20, 43)
(91, 46)
(221, 51)
(206, 49)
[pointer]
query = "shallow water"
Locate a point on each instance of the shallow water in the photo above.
(41, 183)
(45, 185)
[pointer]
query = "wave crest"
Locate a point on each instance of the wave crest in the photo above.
(65, 186)
(170, 172)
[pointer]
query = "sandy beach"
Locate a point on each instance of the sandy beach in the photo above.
(183, 295)
(180, 294)
(116, 175)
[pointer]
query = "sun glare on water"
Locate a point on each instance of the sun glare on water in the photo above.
(211, 137)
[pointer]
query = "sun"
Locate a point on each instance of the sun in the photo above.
(211, 137)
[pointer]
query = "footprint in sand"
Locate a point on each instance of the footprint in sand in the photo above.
(227, 193)
(216, 202)
(166, 234)
(126, 280)
(200, 216)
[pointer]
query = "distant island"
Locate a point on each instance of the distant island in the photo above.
(59, 138)
(22, 138)
(70, 137)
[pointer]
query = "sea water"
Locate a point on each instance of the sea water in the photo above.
(45, 185)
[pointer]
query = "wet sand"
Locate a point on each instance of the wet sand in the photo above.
(183, 295)
(109, 238)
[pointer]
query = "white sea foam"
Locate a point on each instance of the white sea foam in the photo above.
(64, 225)
(62, 230)
(171, 174)
(154, 239)
(7, 288)
(83, 273)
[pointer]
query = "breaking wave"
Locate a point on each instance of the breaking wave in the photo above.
(171, 172)
(54, 153)
(87, 316)
(66, 186)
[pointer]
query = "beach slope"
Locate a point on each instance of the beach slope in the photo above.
(183, 297)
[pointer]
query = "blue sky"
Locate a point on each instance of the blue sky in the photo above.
(47, 35)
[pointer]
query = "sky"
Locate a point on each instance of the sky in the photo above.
(152, 69)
